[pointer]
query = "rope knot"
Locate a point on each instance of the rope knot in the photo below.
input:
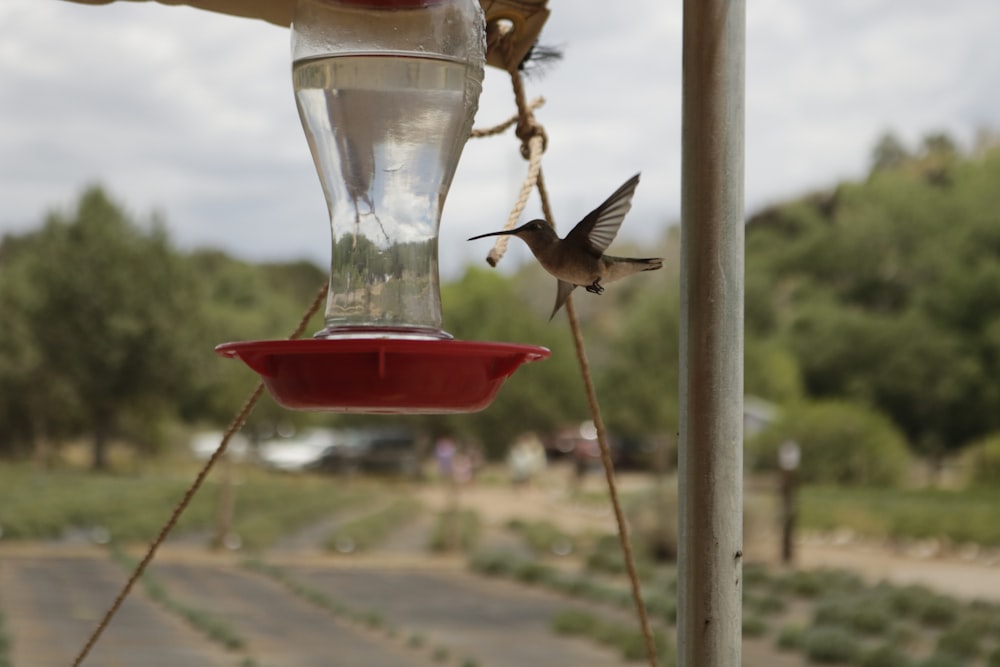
(527, 129)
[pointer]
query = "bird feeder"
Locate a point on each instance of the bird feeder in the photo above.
(386, 91)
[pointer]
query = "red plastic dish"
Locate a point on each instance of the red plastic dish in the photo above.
(383, 375)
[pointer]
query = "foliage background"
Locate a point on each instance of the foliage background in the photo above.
(878, 298)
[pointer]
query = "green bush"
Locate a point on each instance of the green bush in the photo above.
(907, 600)
(754, 626)
(841, 443)
(982, 617)
(994, 658)
(755, 575)
(531, 572)
(630, 642)
(811, 583)
(944, 660)
(766, 604)
(834, 611)
(885, 656)
(543, 537)
(960, 641)
(985, 455)
(901, 634)
(632, 645)
(652, 518)
(663, 606)
(870, 617)
(494, 563)
(4, 645)
(573, 622)
(863, 614)
(606, 556)
(791, 638)
(830, 645)
(938, 611)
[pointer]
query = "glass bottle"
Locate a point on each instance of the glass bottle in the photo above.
(387, 92)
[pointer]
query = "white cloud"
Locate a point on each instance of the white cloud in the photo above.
(192, 113)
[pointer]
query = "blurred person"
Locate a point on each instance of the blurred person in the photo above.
(526, 459)
(444, 455)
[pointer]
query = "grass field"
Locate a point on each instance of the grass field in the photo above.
(130, 508)
(959, 516)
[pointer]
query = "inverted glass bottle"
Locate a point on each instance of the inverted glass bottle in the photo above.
(387, 92)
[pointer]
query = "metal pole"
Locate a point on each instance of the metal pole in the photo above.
(711, 384)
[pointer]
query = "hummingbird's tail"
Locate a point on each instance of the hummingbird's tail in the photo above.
(651, 263)
(619, 267)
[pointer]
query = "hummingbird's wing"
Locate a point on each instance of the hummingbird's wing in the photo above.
(596, 231)
(562, 293)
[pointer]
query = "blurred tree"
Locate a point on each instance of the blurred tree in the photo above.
(986, 461)
(541, 397)
(638, 383)
(110, 319)
(889, 153)
(840, 443)
(35, 408)
(239, 300)
(771, 371)
(887, 293)
(941, 144)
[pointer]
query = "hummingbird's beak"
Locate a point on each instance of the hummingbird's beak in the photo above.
(500, 233)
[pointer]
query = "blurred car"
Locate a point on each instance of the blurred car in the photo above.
(297, 452)
(204, 444)
(391, 451)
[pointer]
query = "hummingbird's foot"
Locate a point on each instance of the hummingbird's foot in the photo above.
(595, 287)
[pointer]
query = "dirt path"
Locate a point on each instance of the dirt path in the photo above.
(547, 499)
(53, 604)
(498, 624)
(280, 628)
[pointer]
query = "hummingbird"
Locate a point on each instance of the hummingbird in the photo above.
(579, 260)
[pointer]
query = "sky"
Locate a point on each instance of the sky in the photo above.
(191, 115)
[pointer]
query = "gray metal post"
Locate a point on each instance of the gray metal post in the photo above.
(711, 385)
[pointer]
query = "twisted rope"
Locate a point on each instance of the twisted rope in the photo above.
(533, 140)
(533, 144)
(235, 425)
(506, 125)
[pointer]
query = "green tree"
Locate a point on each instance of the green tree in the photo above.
(889, 153)
(484, 305)
(840, 442)
(239, 300)
(110, 316)
(886, 293)
(639, 381)
(36, 408)
(986, 461)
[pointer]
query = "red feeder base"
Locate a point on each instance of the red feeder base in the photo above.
(383, 375)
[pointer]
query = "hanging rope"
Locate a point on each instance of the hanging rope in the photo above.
(235, 425)
(533, 143)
